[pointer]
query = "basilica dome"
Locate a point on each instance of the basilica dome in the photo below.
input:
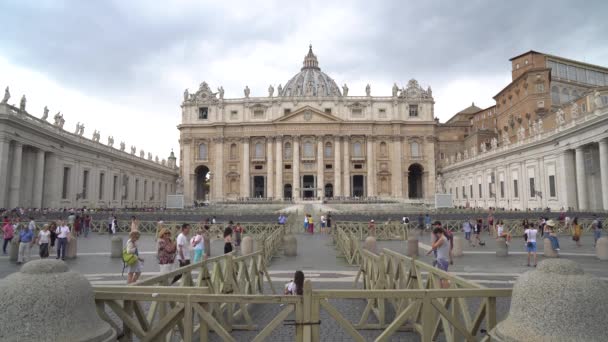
(310, 81)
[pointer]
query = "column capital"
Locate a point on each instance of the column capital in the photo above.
(396, 138)
(218, 139)
(17, 143)
(245, 139)
(579, 149)
(603, 141)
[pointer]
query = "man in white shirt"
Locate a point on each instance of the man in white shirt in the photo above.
(63, 231)
(530, 236)
(183, 248)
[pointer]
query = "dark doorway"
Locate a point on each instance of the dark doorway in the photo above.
(308, 186)
(415, 181)
(259, 187)
(287, 193)
(329, 191)
(358, 186)
(202, 183)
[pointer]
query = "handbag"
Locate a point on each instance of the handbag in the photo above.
(128, 258)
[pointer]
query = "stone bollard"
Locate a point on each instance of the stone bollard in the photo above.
(370, 244)
(580, 295)
(412, 247)
(548, 250)
(247, 245)
(458, 250)
(116, 247)
(71, 248)
(14, 249)
(601, 248)
(290, 245)
(502, 249)
(56, 303)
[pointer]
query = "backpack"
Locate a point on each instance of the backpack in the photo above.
(128, 259)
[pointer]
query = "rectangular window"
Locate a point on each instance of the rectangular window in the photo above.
(480, 196)
(286, 111)
(357, 112)
(258, 114)
(540, 104)
(66, 183)
(145, 190)
(552, 186)
(382, 113)
(502, 189)
(532, 189)
(328, 166)
(540, 87)
(136, 189)
(85, 184)
(234, 114)
(464, 195)
(327, 110)
(413, 110)
(471, 190)
(114, 187)
(571, 73)
(358, 166)
(203, 113)
(287, 166)
(515, 189)
(102, 178)
(490, 190)
(258, 167)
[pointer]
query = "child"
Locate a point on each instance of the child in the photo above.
(44, 237)
(198, 244)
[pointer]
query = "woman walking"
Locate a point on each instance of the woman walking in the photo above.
(238, 231)
(227, 240)
(53, 229)
(578, 231)
(135, 268)
(166, 251)
(44, 238)
(8, 231)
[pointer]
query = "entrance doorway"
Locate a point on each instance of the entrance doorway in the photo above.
(202, 183)
(358, 186)
(287, 193)
(308, 186)
(329, 190)
(415, 181)
(259, 187)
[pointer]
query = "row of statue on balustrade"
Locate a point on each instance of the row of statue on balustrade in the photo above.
(59, 121)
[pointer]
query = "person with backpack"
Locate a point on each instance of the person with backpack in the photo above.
(132, 251)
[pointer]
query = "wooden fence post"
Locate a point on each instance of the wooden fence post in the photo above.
(307, 307)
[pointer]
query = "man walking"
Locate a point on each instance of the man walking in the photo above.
(26, 240)
(63, 231)
(183, 249)
(597, 228)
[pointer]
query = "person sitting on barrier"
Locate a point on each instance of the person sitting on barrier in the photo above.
(227, 240)
(441, 247)
(501, 233)
(166, 251)
(296, 285)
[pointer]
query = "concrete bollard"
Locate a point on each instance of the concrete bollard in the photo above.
(116, 247)
(502, 249)
(13, 252)
(247, 245)
(601, 248)
(71, 248)
(370, 244)
(458, 250)
(548, 250)
(290, 245)
(412, 247)
(47, 288)
(580, 295)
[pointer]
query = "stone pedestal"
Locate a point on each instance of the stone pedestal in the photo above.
(577, 312)
(412, 248)
(502, 249)
(290, 245)
(116, 247)
(247, 245)
(601, 248)
(548, 250)
(57, 304)
(13, 252)
(71, 248)
(458, 250)
(370, 244)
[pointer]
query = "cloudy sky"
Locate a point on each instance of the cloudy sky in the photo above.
(122, 66)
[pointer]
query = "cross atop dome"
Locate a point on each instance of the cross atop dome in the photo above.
(310, 60)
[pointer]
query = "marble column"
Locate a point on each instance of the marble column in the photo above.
(269, 168)
(219, 169)
(39, 179)
(581, 186)
(604, 171)
(320, 169)
(397, 169)
(4, 163)
(245, 188)
(15, 181)
(297, 194)
(371, 163)
(337, 168)
(346, 177)
(278, 187)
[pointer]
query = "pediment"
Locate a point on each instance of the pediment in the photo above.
(307, 114)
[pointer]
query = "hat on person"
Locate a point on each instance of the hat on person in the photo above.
(550, 223)
(371, 220)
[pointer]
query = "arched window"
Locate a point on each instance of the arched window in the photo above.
(415, 149)
(202, 152)
(357, 149)
(287, 151)
(383, 149)
(259, 150)
(555, 95)
(308, 150)
(233, 152)
(328, 150)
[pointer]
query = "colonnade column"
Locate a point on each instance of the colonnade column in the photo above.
(278, 188)
(346, 177)
(15, 182)
(296, 168)
(245, 188)
(4, 152)
(397, 172)
(337, 168)
(371, 161)
(320, 169)
(269, 168)
(604, 171)
(39, 179)
(219, 168)
(581, 187)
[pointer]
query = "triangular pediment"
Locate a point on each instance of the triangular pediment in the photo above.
(307, 114)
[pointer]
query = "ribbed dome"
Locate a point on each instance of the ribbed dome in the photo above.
(310, 81)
